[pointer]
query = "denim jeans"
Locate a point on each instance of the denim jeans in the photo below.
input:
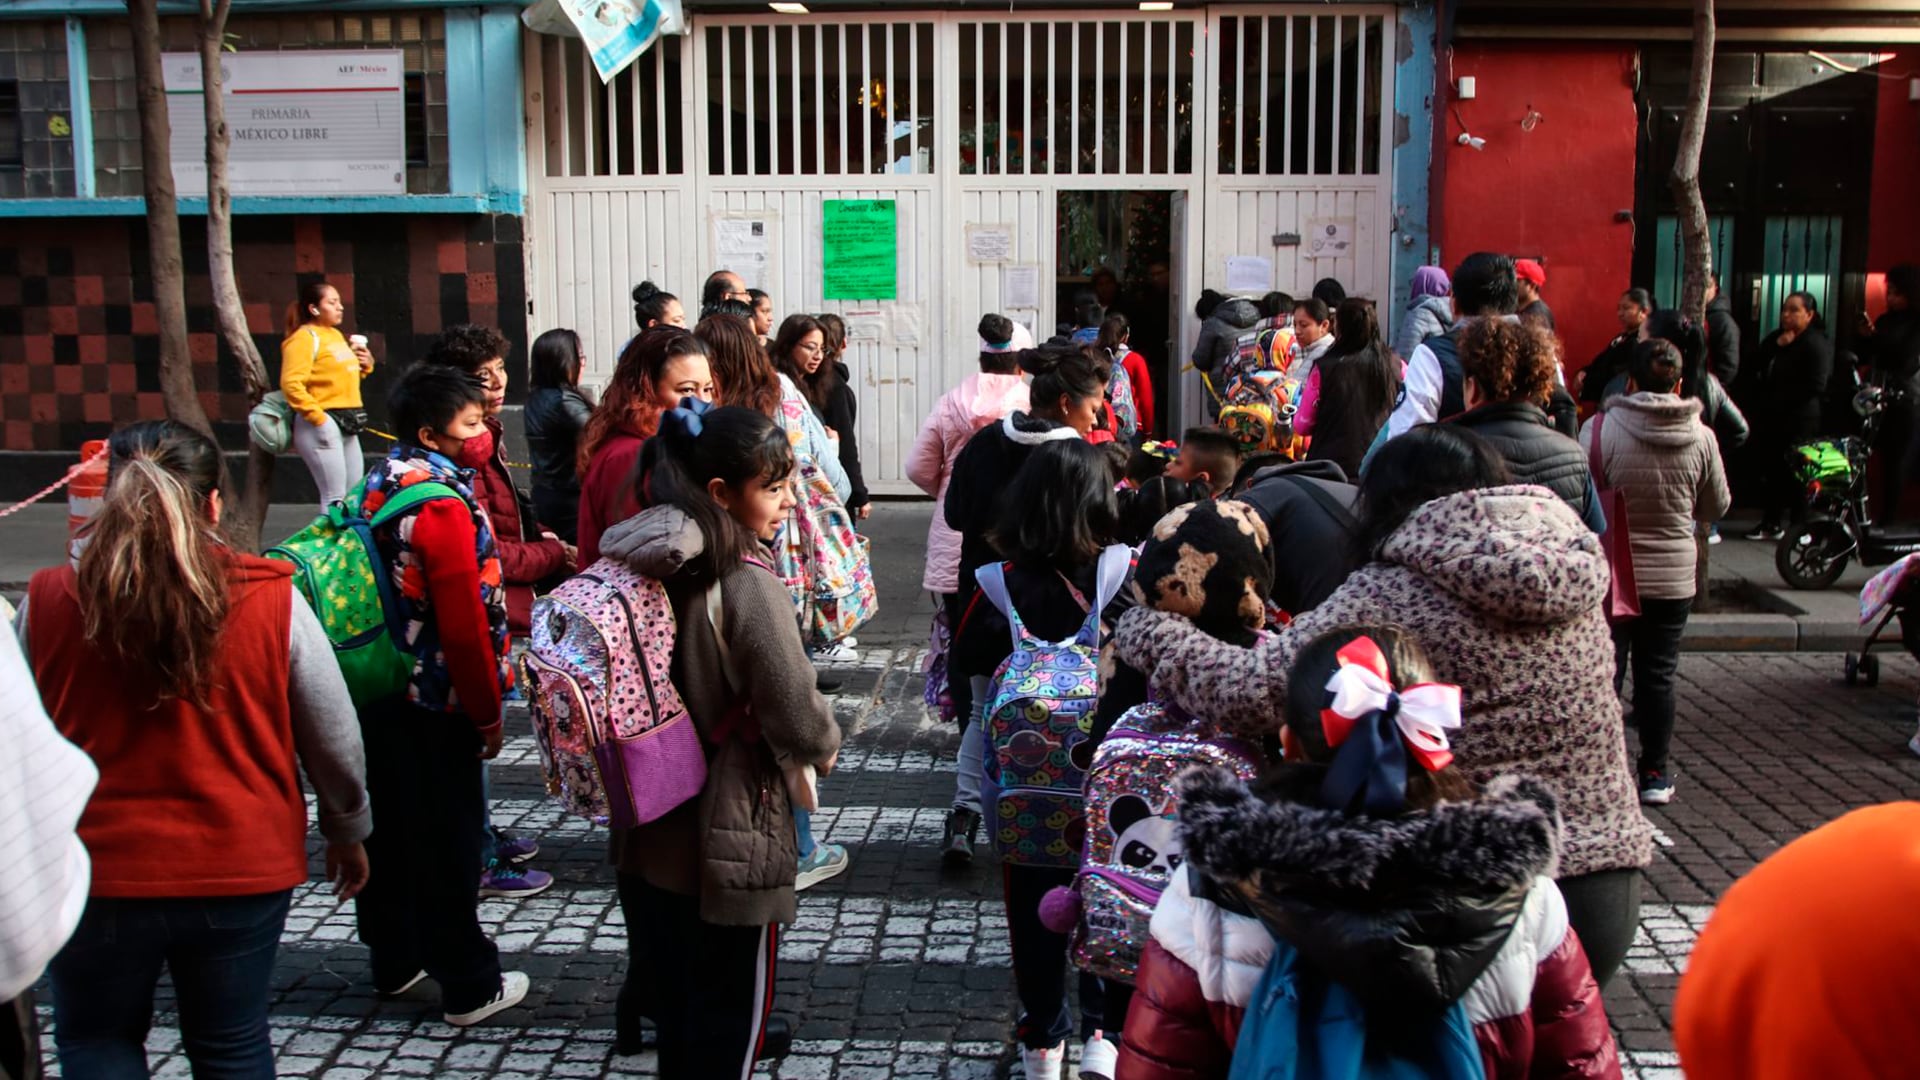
(1651, 643)
(803, 831)
(220, 953)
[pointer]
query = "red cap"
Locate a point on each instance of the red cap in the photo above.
(1530, 270)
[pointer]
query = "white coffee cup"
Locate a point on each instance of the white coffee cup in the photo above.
(358, 341)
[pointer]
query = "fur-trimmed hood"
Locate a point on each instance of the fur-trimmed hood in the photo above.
(1400, 910)
(1026, 429)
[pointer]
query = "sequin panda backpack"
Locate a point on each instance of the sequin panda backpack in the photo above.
(615, 739)
(1039, 720)
(1133, 844)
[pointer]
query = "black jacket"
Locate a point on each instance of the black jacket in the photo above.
(984, 641)
(1612, 363)
(1314, 548)
(1357, 392)
(1723, 339)
(1536, 453)
(981, 474)
(554, 418)
(1794, 379)
(1894, 350)
(841, 414)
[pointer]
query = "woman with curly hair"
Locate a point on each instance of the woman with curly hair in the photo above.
(1507, 370)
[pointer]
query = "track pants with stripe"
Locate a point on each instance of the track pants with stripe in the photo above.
(708, 988)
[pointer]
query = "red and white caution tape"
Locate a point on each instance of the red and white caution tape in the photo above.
(55, 486)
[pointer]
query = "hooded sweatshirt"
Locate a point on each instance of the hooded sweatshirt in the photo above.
(981, 474)
(1410, 913)
(979, 400)
(1503, 587)
(1220, 334)
(1654, 448)
(1427, 317)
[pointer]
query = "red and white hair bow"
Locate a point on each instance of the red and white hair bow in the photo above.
(1424, 712)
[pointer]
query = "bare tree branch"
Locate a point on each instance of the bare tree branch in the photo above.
(1696, 242)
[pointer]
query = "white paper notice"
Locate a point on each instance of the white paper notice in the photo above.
(904, 325)
(1329, 238)
(989, 243)
(868, 325)
(744, 245)
(1020, 287)
(1249, 274)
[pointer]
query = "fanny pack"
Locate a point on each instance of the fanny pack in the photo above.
(351, 421)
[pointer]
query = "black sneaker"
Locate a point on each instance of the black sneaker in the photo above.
(826, 683)
(956, 847)
(1767, 532)
(776, 1039)
(1656, 788)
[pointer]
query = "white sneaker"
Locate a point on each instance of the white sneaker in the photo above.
(1098, 1058)
(840, 652)
(850, 642)
(1044, 1064)
(513, 989)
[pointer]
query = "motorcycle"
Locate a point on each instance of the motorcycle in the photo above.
(1838, 528)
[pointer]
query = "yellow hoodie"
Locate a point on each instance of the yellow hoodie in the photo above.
(318, 371)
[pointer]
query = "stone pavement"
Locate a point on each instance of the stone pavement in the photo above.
(900, 970)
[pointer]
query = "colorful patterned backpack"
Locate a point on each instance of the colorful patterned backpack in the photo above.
(1039, 719)
(827, 561)
(339, 570)
(615, 739)
(1258, 411)
(1267, 347)
(1126, 414)
(1133, 845)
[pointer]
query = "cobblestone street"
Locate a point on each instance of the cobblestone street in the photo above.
(898, 970)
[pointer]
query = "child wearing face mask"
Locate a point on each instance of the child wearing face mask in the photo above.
(425, 749)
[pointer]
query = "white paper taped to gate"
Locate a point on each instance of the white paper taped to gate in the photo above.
(1020, 287)
(903, 324)
(989, 243)
(743, 243)
(1249, 274)
(1329, 238)
(866, 325)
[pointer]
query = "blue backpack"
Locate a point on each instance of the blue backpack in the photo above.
(1301, 1025)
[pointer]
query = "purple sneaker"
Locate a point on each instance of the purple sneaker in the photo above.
(509, 848)
(504, 879)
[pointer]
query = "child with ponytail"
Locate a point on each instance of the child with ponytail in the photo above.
(1364, 906)
(704, 887)
(193, 678)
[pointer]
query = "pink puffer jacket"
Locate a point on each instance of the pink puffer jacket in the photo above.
(979, 400)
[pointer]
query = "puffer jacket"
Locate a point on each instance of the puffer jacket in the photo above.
(1537, 454)
(1220, 334)
(1503, 586)
(734, 846)
(979, 400)
(1430, 908)
(527, 556)
(1427, 317)
(1654, 448)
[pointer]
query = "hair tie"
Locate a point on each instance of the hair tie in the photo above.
(689, 417)
(1375, 730)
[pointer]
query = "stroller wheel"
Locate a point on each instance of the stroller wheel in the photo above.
(1851, 667)
(1870, 669)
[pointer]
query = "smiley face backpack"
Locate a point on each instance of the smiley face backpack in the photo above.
(1039, 721)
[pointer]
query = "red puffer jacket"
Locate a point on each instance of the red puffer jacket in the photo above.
(526, 557)
(1535, 1008)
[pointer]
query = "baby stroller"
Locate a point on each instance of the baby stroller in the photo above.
(1886, 597)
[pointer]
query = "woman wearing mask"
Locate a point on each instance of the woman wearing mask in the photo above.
(320, 373)
(1504, 585)
(1351, 390)
(659, 368)
(1794, 364)
(807, 352)
(220, 679)
(1429, 312)
(557, 411)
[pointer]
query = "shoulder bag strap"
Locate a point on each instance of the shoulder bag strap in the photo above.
(993, 584)
(410, 498)
(1115, 562)
(1340, 514)
(1594, 462)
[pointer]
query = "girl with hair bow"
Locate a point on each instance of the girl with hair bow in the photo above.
(1364, 910)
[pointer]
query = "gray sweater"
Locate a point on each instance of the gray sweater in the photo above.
(326, 730)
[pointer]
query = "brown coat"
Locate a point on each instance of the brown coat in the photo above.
(734, 846)
(1654, 448)
(1502, 587)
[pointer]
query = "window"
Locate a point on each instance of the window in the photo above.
(419, 156)
(630, 126)
(10, 155)
(1301, 94)
(36, 140)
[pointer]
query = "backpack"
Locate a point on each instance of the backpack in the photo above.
(1301, 1025)
(1133, 844)
(1126, 414)
(1258, 412)
(615, 739)
(1267, 347)
(1039, 721)
(833, 562)
(339, 570)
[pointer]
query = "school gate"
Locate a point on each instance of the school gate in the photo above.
(1269, 130)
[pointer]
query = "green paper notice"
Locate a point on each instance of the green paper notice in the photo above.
(859, 249)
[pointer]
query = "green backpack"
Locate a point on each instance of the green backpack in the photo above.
(338, 568)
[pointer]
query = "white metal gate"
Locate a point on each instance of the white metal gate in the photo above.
(1261, 122)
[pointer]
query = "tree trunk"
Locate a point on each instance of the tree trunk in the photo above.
(163, 221)
(1695, 241)
(250, 510)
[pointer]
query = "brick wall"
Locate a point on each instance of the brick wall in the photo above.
(79, 348)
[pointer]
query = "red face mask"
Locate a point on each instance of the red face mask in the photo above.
(475, 452)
